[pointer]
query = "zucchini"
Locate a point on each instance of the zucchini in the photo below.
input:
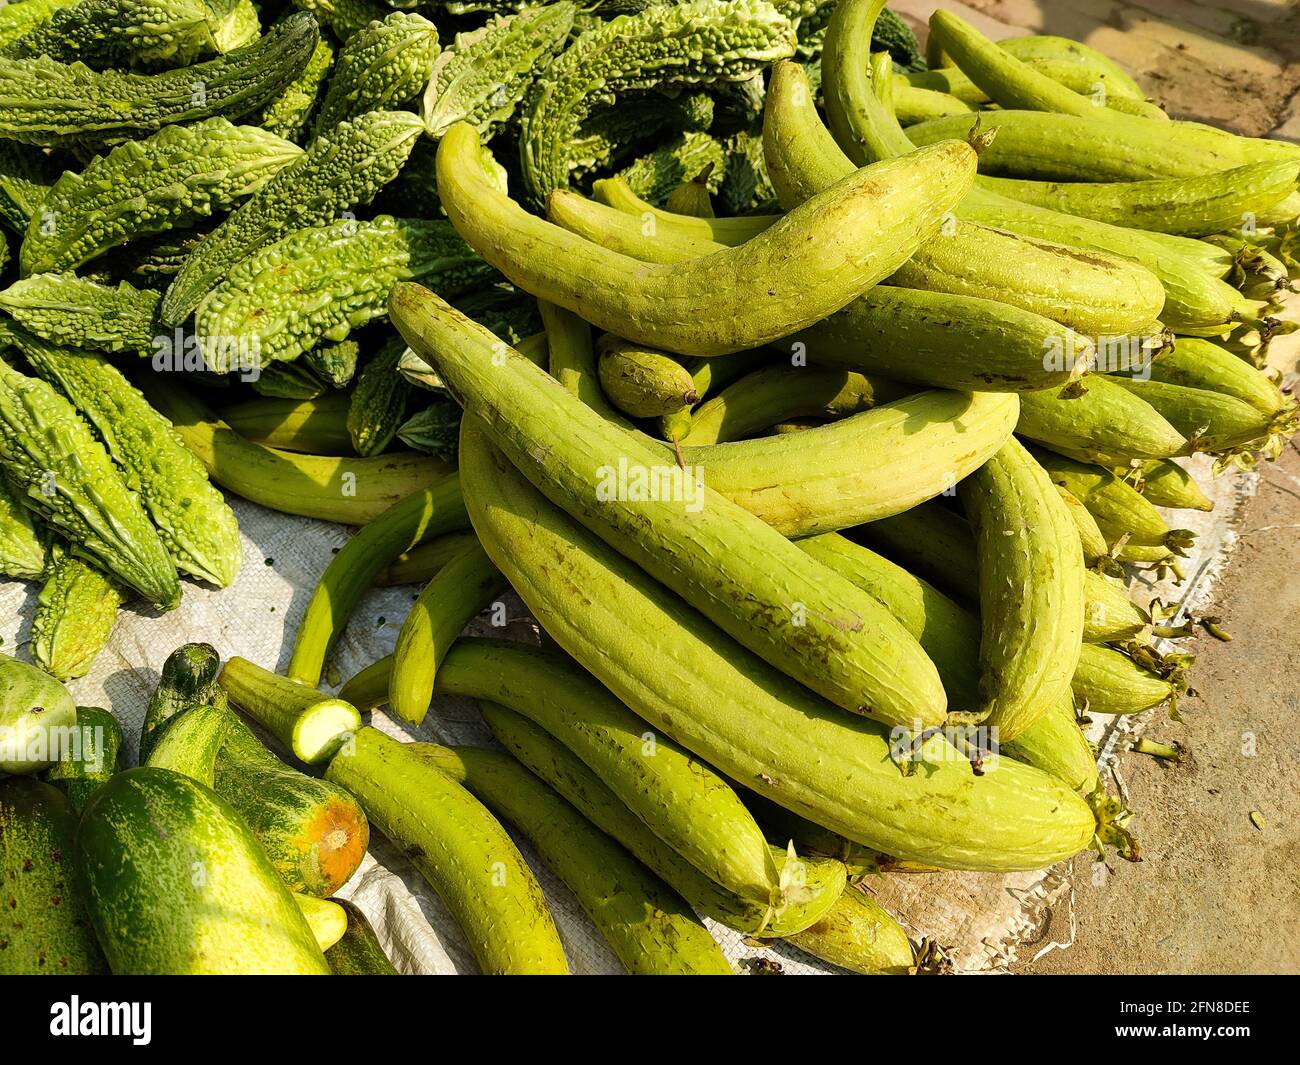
(358, 951)
(647, 924)
(462, 589)
(91, 758)
(418, 517)
(744, 717)
(459, 848)
(887, 675)
(306, 722)
(36, 712)
(313, 831)
(859, 935)
(75, 612)
(178, 885)
(44, 923)
(822, 879)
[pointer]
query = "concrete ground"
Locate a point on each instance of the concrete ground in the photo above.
(1216, 893)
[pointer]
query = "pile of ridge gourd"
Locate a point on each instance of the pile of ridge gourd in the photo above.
(816, 397)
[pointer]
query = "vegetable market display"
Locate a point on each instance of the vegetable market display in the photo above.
(819, 399)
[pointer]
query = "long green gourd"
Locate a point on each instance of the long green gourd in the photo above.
(459, 848)
(1192, 206)
(64, 473)
(192, 517)
(823, 879)
(483, 76)
(1094, 294)
(645, 922)
(51, 103)
(684, 44)
(908, 334)
(132, 32)
(319, 284)
(1031, 588)
(380, 68)
(343, 168)
(304, 721)
(68, 310)
(788, 609)
(74, 616)
(23, 551)
(173, 179)
(744, 717)
(814, 261)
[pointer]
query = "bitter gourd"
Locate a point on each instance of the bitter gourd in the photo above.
(134, 32)
(654, 176)
(66, 309)
(22, 549)
(192, 518)
(18, 19)
(67, 477)
(74, 616)
(381, 68)
(344, 17)
(289, 113)
(321, 283)
(170, 180)
(26, 175)
(341, 169)
(685, 44)
(46, 102)
(378, 401)
(485, 73)
(335, 364)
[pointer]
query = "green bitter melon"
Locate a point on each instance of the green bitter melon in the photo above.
(379, 400)
(699, 42)
(66, 309)
(335, 364)
(289, 113)
(66, 476)
(653, 177)
(22, 548)
(340, 170)
(26, 175)
(17, 19)
(170, 180)
(381, 68)
(483, 76)
(344, 17)
(49, 103)
(193, 520)
(74, 616)
(322, 282)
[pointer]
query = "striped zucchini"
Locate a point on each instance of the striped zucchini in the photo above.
(745, 718)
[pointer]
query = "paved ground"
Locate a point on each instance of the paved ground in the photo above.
(1216, 893)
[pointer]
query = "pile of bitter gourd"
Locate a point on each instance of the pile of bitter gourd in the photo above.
(814, 397)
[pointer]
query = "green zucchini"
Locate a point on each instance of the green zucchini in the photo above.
(887, 676)
(178, 885)
(459, 848)
(858, 934)
(36, 713)
(744, 717)
(306, 722)
(418, 517)
(463, 588)
(75, 612)
(647, 924)
(313, 831)
(44, 923)
(91, 758)
(358, 951)
(189, 679)
(822, 879)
